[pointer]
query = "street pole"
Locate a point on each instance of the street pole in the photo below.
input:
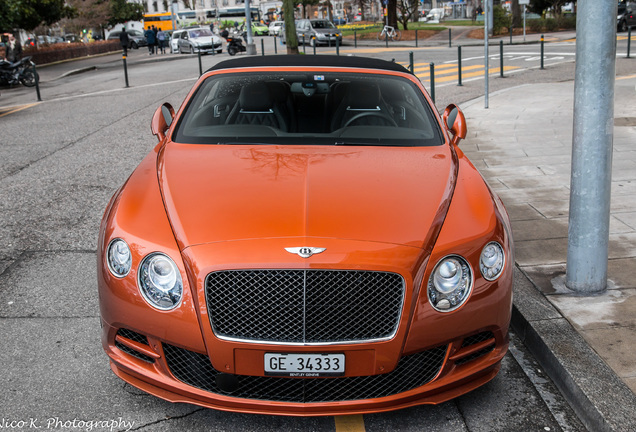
(592, 142)
(251, 46)
(486, 25)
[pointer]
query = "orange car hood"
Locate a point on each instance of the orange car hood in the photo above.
(216, 193)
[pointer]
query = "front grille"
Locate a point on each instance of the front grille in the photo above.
(412, 371)
(304, 306)
(473, 340)
(479, 337)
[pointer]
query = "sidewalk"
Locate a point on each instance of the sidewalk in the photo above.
(522, 146)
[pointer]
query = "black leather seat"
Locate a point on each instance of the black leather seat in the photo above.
(258, 106)
(362, 105)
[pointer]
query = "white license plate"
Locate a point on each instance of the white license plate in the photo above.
(304, 365)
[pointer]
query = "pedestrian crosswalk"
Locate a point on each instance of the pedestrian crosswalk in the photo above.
(450, 72)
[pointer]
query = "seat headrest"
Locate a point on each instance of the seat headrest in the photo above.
(255, 97)
(363, 95)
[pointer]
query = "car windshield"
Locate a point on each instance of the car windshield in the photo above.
(322, 108)
(322, 24)
(200, 33)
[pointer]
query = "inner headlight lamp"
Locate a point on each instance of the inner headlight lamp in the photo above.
(450, 283)
(160, 281)
(491, 261)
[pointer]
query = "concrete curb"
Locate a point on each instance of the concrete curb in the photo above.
(599, 398)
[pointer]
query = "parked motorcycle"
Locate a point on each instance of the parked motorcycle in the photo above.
(234, 43)
(21, 71)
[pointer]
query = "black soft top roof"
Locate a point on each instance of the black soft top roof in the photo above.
(309, 61)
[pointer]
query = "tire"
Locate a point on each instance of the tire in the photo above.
(27, 78)
(134, 45)
(231, 50)
(381, 36)
(191, 49)
(622, 26)
(398, 35)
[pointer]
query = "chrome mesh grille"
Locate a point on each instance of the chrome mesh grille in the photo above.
(412, 371)
(304, 306)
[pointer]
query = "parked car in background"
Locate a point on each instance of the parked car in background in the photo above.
(436, 14)
(174, 40)
(338, 20)
(259, 29)
(626, 16)
(275, 28)
(198, 39)
(317, 32)
(136, 38)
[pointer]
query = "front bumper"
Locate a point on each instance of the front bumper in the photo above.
(432, 358)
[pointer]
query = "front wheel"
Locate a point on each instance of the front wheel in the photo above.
(231, 50)
(381, 35)
(27, 77)
(396, 35)
(622, 27)
(134, 45)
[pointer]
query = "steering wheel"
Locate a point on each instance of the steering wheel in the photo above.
(371, 114)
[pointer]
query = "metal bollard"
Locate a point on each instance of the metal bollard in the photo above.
(355, 38)
(501, 67)
(386, 39)
(263, 46)
(314, 45)
(337, 46)
(411, 65)
(304, 50)
(275, 47)
(200, 65)
(459, 63)
(542, 52)
(433, 81)
(510, 34)
(629, 40)
(415, 38)
(449, 38)
(125, 71)
(37, 83)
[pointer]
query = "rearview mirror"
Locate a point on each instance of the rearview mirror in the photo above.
(455, 123)
(161, 120)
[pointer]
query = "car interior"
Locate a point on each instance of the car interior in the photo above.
(327, 108)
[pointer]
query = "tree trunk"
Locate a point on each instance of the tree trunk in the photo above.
(392, 13)
(516, 13)
(290, 27)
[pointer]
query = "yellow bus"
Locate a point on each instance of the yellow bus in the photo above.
(163, 21)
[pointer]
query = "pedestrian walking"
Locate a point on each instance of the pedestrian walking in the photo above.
(124, 40)
(13, 50)
(161, 42)
(150, 38)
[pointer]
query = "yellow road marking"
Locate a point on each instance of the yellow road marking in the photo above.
(625, 77)
(349, 423)
(368, 50)
(16, 109)
(426, 77)
(451, 70)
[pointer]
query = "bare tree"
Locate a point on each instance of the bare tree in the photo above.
(407, 9)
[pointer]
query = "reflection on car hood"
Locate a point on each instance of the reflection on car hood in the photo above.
(205, 39)
(223, 193)
(327, 30)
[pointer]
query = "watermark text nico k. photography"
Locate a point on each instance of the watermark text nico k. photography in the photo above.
(53, 423)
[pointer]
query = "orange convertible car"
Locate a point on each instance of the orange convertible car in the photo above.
(307, 238)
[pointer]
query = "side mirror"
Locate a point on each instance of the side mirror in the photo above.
(161, 120)
(455, 123)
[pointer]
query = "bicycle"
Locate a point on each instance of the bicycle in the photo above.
(389, 32)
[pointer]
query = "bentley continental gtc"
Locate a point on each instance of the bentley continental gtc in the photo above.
(306, 238)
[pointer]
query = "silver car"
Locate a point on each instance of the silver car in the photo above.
(318, 32)
(198, 39)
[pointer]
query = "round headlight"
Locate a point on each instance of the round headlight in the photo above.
(160, 281)
(450, 284)
(491, 261)
(119, 258)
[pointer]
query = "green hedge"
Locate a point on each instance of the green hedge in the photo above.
(44, 54)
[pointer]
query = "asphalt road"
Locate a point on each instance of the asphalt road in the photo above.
(60, 161)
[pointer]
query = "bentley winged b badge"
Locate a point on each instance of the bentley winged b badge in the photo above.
(305, 251)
